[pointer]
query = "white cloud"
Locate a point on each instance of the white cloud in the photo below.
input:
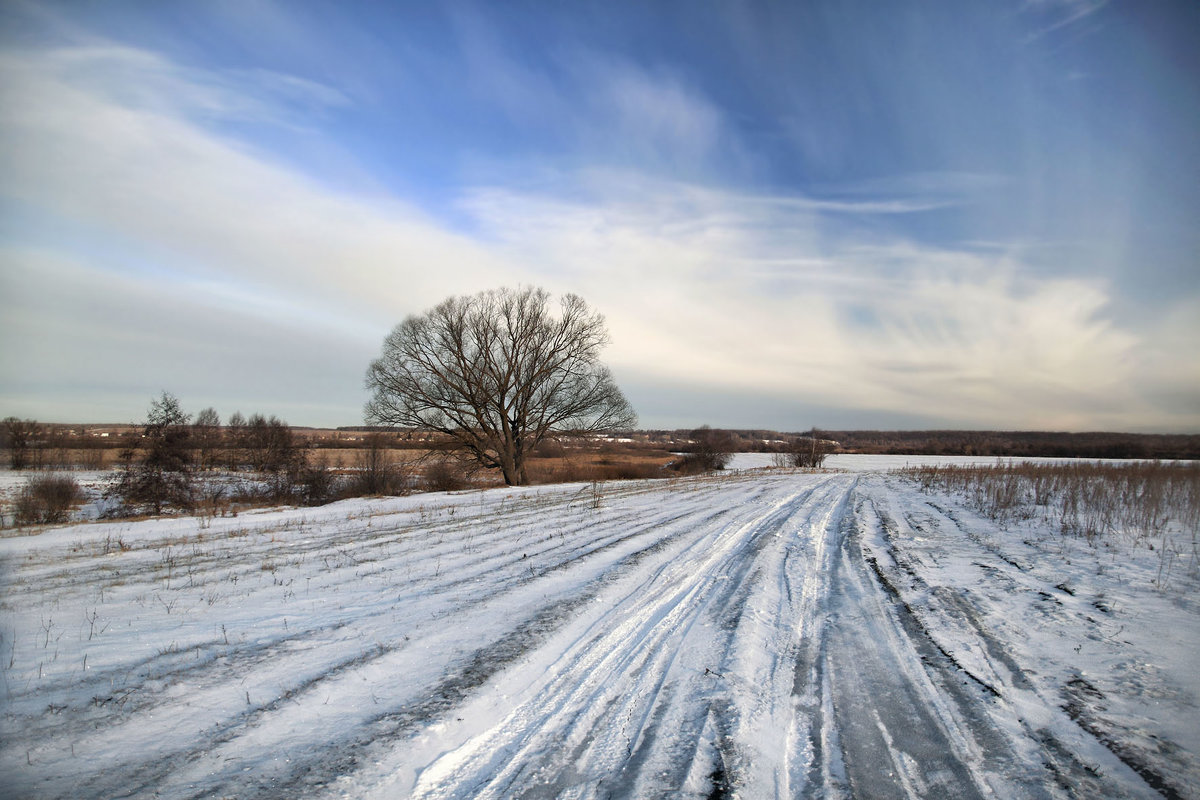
(648, 118)
(145, 171)
(86, 343)
(606, 106)
(172, 230)
(1061, 14)
(199, 240)
(710, 288)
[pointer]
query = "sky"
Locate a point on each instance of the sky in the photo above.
(934, 214)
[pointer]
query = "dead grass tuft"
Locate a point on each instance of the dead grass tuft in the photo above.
(1140, 501)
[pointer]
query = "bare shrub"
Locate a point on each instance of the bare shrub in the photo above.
(47, 499)
(23, 439)
(708, 450)
(630, 470)
(212, 501)
(808, 452)
(609, 468)
(444, 476)
(377, 473)
(317, 483)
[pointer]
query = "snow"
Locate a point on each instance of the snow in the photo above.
(763, 633)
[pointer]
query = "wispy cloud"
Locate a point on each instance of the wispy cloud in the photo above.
(207, 249)
(140, 80)
(144, 171)
(603, 105)
(160, 243)
(649, 118)
(1063, 13)
(716, 289)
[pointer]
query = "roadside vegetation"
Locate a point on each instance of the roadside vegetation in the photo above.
(1021, 444)
(1152, 504)
(173, 463)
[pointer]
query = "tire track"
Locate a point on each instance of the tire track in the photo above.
(650, 694)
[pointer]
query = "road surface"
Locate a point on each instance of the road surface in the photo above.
(761, 636)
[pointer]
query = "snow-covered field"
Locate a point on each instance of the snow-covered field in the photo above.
(758, 634)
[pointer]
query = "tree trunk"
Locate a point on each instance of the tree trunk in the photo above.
(508, 466)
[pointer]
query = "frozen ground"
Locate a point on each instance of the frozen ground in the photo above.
(763, 634)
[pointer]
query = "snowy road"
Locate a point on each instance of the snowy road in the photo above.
(760, 635)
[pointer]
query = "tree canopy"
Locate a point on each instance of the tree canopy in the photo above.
(498, 372)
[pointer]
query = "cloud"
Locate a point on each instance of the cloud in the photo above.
(138, 79)
(175, 232)
(167, 252)
(713, 288)
(603, 106)
(149, 175)
(1062, 14)
(645, 117)
(89, 343)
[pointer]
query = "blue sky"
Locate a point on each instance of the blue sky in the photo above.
(843, 214)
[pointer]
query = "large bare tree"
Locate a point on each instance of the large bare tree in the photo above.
(498, 372)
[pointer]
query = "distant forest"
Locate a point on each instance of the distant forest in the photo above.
(1018, 443)
(95, 446)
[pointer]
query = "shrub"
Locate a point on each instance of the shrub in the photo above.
(317, 484)
(444, 476)
(709, 450)
(808, 452)
(377, 474)
(694, 464)
(47, 499)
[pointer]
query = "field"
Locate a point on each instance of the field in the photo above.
(760, 634)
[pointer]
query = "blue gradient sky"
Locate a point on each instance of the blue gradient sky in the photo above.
(843, 214)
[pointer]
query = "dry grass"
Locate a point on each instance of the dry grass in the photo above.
(588, 465)
(333, 473)
(1148, 503)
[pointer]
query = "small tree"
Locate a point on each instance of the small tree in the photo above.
(162, 475)
(709, 450)
(809, 452)
(22, 438)
(235, 441)
(377, 473)
(270, 444)
(206, 436)
(498, 372)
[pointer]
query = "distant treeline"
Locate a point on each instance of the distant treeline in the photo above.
(1018, 444)
(41, 445)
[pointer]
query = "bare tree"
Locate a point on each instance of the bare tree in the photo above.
(23, 438)
(498, 372)
(235, 440)
(809, 452)
(206, 435)
(377, 473)
(270, 444)
(708, 450)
